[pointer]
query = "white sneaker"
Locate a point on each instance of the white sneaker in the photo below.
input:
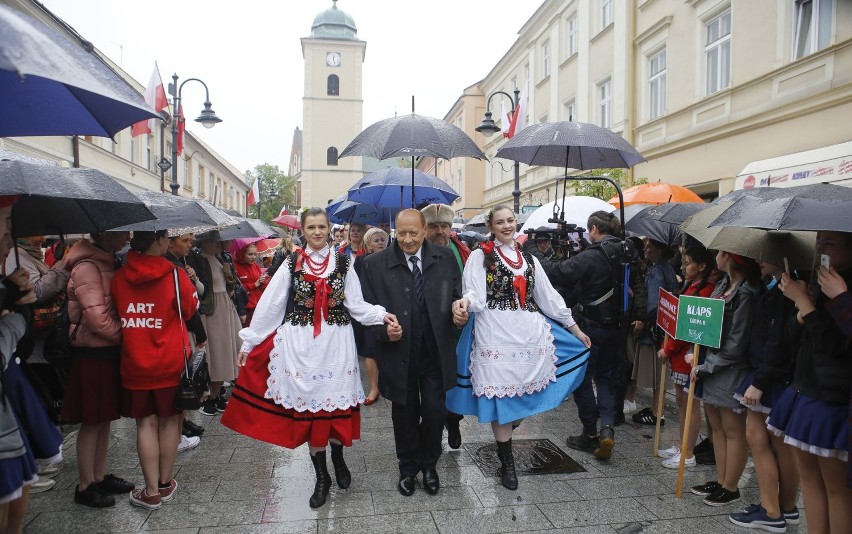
(41, 485)
(674, 462)
(188, 443)
(49, 470)
(630, 406)
(672, 451)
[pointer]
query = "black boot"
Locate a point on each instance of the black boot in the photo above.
(323, 480)
(507, 465)
(341, 472)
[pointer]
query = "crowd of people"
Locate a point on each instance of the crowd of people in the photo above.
(499, 330)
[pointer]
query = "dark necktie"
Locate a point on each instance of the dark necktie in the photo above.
(417, 276)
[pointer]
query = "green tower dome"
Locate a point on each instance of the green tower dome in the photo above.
(333, 23)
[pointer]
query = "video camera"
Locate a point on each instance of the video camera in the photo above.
(566, 240)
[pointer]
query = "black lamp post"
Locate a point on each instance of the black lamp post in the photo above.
(207, 117)
(489, 128)
(271, 194)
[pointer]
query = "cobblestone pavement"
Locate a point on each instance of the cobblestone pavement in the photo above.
(233, 484)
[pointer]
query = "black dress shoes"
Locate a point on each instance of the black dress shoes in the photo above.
(406, 486)
(431, 483)
(453, 434)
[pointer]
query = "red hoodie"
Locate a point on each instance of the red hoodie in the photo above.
(153, 340)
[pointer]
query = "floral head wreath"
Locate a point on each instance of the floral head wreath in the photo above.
(304, 210)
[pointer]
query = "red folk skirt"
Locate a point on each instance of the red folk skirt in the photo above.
(250, 414)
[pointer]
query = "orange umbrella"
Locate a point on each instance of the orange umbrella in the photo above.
(656, 193)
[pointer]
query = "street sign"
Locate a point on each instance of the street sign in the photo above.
(699, 320)
(667, 313)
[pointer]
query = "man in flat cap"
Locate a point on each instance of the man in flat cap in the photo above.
(439, 224)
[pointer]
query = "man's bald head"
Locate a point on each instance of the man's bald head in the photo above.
(411, 215)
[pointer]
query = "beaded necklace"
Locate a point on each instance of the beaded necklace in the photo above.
(517, 263)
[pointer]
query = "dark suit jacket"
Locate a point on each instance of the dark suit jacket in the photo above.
(386, 280)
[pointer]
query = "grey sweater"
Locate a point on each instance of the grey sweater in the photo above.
(12, 328)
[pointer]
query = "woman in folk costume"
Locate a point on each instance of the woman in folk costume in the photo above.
(301, 382)
(517, 360)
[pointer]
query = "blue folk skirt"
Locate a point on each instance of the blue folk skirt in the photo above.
(767, 400)
(810, 424)
(571, 359)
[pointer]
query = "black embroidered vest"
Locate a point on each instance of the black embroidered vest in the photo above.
(300, 305)
(500, 293)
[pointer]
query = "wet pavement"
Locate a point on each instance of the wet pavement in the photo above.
(232, 484)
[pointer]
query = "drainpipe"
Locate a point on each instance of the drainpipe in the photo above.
(631, 81)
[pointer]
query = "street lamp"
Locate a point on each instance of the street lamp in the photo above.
(271, 194)
(489, 128)
(207, 117)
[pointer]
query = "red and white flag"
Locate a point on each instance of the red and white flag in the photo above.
(254, 194)
(519, 121)
(155, 96)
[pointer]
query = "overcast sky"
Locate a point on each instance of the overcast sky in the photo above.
(249, 54)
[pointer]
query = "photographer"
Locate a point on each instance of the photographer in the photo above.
(594, 273)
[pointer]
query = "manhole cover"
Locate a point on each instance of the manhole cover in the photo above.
(532, 457)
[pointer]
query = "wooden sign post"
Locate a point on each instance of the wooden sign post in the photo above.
(667, 321)
(699, 320)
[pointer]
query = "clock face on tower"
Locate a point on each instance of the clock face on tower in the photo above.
(332, 59)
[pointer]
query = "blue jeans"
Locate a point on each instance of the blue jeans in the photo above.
(606, 354)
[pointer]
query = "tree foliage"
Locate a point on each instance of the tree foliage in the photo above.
(283, 186)
(602, 189)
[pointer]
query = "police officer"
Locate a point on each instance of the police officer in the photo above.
(594, 273)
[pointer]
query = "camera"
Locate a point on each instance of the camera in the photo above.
(565, 240)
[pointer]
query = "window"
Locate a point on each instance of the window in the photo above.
(149, 163)
(717, 52)
(333, 85)
(606, 13)
(187, 177)
(813, 26)
(569, 112)
(331, 156)
(605, 95)
(545, 59)
(657, 84)
(571, 35)
(201, 181)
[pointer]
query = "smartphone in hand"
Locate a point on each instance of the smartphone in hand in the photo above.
(825, 260)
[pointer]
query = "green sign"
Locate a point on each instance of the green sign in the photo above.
(699, 320)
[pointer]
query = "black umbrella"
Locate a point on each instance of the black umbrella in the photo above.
(658, 230)
(52, 85)
(672, 212)
(70, 201)
(574, 145)
(413, 136)
(246, 228)
(794, 213)
(180, 215)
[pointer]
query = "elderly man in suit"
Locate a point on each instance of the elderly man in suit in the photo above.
(439, 225)
(418, 282)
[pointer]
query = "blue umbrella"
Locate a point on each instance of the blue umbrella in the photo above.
(389, 187)
(342, 211)
(52, 85)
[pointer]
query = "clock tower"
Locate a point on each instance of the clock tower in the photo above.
(332, 107)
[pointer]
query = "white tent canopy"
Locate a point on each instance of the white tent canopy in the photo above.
(831, 164)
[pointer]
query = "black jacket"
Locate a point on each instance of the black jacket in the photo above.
(193, 324)
(590, 271)
(386, 280)
(770, 353)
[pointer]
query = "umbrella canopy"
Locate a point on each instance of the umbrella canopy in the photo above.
(54, 86)
(180, 215)
(71, 201)
(412, 136)
(246, 228)
(389, 188)
(288, 221)
(758, 244)
(794, 213)
(265, 247)
(632, 210)
(656, 193)
(574, 145)
(577, 211)
(658, 230)
(342, 211)
(673, 212)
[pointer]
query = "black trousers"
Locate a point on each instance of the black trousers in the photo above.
(418, 426)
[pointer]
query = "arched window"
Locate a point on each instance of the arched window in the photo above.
(333, 85)
(331, 156)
